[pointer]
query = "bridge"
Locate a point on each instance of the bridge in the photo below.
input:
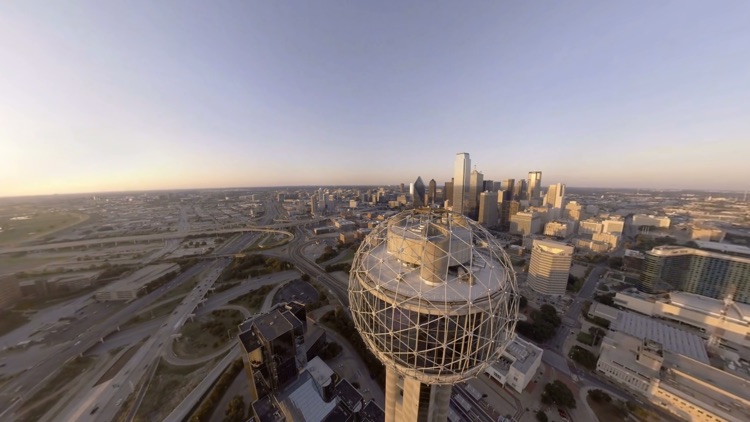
(276, 227)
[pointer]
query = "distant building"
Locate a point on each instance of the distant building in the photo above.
(507, 186)
(534, 188)
(549, 267)
(573, 211)
(700, 271)
(613, 226)
(555, 196)
(461, 176)
(419, 193)
(707, 234)
(558, 229)
(610, 239)
(590, 227)
(488, 209)
(432, 192)
(448, 194)
(475, 188)
(519, 191)
(640, 220)
(524, 223)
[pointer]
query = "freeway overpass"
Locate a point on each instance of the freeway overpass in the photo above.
(157, 237)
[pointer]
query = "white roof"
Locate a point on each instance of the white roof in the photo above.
(672, 339)
(707, 305)
(723, 247)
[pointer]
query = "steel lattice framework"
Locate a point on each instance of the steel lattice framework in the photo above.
(433, 295)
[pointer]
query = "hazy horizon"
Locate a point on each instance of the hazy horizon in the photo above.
(134, 96)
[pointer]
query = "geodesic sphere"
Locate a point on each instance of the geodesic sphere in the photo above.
(433, 295)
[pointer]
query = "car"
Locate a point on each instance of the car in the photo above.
(94, 410)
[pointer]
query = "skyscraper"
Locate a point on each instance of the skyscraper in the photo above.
(519, 191)
(507, 186)
(448, 192)
(476, 184)
(441, 319)
(549, 267)
(461, 174)
(555, 196)
(535, 185)
(432, 192)
(488, 209)
(419, 193)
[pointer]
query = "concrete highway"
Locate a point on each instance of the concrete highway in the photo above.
(158, 236)
(26, 384)
(103, 401)
(311, 268)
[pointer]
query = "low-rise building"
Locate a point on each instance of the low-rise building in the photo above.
(558, 229)
(707, 234)
(640, 220)
(726, 321)
(689, 388)
(610, 239)
(517, 366)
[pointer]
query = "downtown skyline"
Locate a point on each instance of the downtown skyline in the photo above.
(141, 96)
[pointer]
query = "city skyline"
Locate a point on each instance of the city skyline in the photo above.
(141, 96)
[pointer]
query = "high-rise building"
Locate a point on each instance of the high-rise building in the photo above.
(700, 271)
(524, 223)
(507, 186)
(519, 191)
(488, 186)
(418, 194)
(432, 192)
(573, 211)
(475, 188)
(534, 187)
(488, 209)
(461, 175)
(432, 306)
(497, 186)
(448, 192)
(555, 196)
(549, 267)
(273, 351)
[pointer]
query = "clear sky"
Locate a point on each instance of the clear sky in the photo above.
(124, 95)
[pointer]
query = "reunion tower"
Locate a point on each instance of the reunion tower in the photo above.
(434, 297)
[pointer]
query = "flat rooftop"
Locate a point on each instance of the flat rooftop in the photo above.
(302, 402)
(723, 247)
(672, 339)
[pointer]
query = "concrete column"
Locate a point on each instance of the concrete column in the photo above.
(440, 398)
(391, 394)
(410, 406)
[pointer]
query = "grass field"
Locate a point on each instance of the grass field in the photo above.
(208, 333)
(9, 321)
(37, 225)
(168, 387)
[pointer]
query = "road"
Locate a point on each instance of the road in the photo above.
(108, 396)
(317, 273)
(157, 236)
(30, 381)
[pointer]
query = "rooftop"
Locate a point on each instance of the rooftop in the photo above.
(401, 280)
(707, 305)
(302, 402)
(723, 247)
(672, 339)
